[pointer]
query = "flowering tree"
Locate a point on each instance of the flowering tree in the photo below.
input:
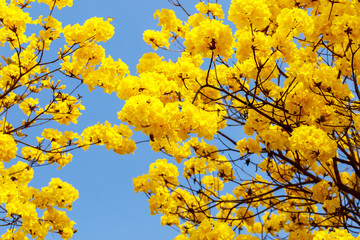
(287, 78)
(32, 103)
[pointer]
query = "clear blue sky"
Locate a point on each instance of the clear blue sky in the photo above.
(108, 207)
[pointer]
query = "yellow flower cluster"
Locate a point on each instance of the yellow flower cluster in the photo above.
(58, 193)
(250, 13)
(116, 138)
(26, 79)
(336, 234)
(212, 230)
(212, 183)
(84, 59)
(287, 75)
(13, 24)
(160, 173)
(52, 29)
(155, 119)
(312, 143)
(9, 147)
(248, 145)
(65, 109)
(168, 21)
(59, 222)
(22, 201)
(288, 84)
(213, 8)
(156, 39)
(28, 105)
(171, 27)
(210, 38)
(94, 28)
(112, 73)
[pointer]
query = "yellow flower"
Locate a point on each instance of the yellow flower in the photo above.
(249, 146)
(313, 143)
(211, 38)
(8, 146)
(320, 191)
(66, 109)
(244, 13)
(157, 39)
(29, 105)
(213, 8)
(93, 28)
(212, 183)
(168, 20)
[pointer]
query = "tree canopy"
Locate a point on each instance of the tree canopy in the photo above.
(282, 73)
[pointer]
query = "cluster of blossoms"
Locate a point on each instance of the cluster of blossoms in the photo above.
(26, 79)
(286, 77)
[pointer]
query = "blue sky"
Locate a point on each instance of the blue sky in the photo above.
(108, 207)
